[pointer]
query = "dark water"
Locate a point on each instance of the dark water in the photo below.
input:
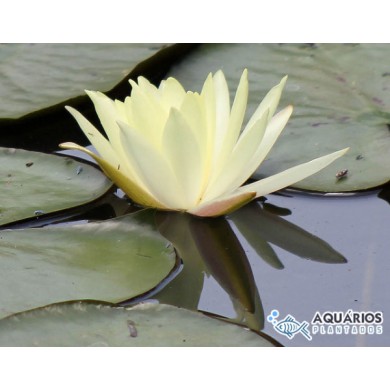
(305, 254)
(295, 253)
(305, 277)
(357, 227)
(299, 254)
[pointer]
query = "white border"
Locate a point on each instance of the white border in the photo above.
(195, 368)
(195, 21)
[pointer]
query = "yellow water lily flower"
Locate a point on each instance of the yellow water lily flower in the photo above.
(176, 150)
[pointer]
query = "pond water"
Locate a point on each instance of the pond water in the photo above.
(300, 254)
(358, 228)
(355, 227)
(349, 269)
(295, 253)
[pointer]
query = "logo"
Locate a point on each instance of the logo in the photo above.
(329, 323)
(289, 326)
(350, 322)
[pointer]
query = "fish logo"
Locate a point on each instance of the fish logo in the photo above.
(289, 326)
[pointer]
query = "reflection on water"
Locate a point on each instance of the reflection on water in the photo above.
(274, 253)
(298, 254)
(210, 248)
(263, 226)
(216, 250)
(358, 227)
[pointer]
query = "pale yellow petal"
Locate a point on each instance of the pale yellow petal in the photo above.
(234, 172)
(195, 116)
(108, 115)
(153, 169)
(222, 112)
(181, 148)
(120, 106)
(238, 111)
(128, 105)
(192, 112)
(207, 103)
(222, 206)
(209, 108)
(147, 115)
(272, 132)
(270, 102)
(131, 188)
(147, 86)
(172, 93)
(235, 123)
(291, 175)
(100, 143)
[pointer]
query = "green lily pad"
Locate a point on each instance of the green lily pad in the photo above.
(35, 76)
(36, 183)
(145, 325)
(340, 95)
(111, 261)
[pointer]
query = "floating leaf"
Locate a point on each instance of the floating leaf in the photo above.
(145, 325)
(341, 98)
(35, 76)
(34, 183)
(53, 124)
(112, 261)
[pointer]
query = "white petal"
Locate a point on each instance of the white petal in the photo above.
(270, 102)
(172, 93)
(234, 127)
(238, 110)
(208, 107)
(101, 144)
(108, 115)
(147, 86)
(191, 110)
(152, 168)
(231, 176)
(181, 148)
(128, 105)
(121, 108)
(147, 116)
(272, 132)
(222, 205)
(132, 188)
(291, 175)
(222, 112)
(207, 104)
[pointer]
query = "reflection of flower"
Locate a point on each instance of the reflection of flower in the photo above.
(177, 150)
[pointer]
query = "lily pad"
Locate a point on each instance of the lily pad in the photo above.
(341, 98)
(145, 325)
(35, 76)
(111, 261)
(36, 183)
